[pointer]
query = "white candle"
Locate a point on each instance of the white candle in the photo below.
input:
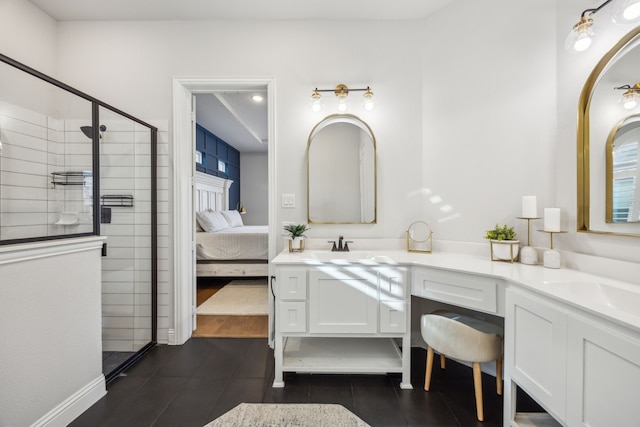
(529, 208)
(551, 219)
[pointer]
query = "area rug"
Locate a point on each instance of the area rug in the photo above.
(238, 298)
(287, 415)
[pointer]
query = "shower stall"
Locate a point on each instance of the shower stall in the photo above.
(73, 166)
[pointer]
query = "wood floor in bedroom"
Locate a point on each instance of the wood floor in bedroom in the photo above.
(225, 326)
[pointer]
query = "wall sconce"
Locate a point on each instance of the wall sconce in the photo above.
(580, 37)
(240, 208)
(342, 92)
(631, 95)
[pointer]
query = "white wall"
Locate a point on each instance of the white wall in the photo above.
(489, 117)
(253, 188)
(51, 352)
(573, 70)
(28, 35)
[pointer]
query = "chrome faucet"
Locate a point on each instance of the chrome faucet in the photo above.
(340, 247)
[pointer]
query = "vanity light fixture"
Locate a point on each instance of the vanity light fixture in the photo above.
(582, 33)
(341, 92)
(630, 96)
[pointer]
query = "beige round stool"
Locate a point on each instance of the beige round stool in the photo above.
(463, 338)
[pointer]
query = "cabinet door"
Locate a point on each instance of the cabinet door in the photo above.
(343, 301)
(603, 375)
(535, 348)
(292, 284)
(393, 284)
(292, 316)
(393, 316)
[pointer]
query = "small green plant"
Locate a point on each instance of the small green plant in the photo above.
(500, 233)
(296, 230)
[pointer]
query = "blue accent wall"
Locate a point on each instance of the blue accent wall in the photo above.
(213, 150)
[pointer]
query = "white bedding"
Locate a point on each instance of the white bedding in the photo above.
(249, 242)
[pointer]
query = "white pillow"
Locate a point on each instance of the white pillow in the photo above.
(233, 218)
(211, 221)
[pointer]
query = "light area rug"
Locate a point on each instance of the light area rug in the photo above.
(288, 415)
(239, 298)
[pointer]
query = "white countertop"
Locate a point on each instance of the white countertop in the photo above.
(612, 299)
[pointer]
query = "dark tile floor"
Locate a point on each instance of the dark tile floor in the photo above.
(192, 384)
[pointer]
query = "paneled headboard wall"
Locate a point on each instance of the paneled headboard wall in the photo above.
(212, 193)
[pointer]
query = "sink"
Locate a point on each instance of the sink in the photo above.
(338, 256)
(603, 294)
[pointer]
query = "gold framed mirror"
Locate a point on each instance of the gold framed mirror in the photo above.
(623, 173)
(341, 172)
(599, 115)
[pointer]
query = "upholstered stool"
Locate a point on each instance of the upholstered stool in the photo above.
(463, 338)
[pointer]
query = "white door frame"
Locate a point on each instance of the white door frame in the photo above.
(183, 172)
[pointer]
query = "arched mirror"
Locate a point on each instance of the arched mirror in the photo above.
(623, 174)
(341, 172)
(608, 188)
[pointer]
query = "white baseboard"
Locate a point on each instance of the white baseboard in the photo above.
(75, 405)
(171, 337)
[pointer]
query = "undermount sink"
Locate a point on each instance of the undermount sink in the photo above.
(602, 294)
(338, 256)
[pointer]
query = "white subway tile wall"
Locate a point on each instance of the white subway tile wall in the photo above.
(33, 147)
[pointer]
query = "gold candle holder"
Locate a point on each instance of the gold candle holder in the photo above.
(528, 255)
(551, 256)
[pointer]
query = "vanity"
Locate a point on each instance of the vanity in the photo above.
(572, 340)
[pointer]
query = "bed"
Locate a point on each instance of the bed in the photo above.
(225, 247)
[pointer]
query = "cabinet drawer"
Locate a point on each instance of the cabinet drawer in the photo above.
(476, 292)
(292, 316)
(292, 285)
(393, 284)
(393, 316)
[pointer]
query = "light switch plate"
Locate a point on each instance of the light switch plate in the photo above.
(288, 200)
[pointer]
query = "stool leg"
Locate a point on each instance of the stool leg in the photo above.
(477, 385)
(429, 367)
(442, 361)
(499, 376)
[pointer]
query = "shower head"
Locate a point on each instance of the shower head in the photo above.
(88, 130)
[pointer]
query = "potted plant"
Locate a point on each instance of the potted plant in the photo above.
(503, 242)
(296, 232)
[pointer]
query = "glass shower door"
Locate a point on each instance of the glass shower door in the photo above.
(127, 212)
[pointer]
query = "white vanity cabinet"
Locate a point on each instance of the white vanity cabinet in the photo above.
(583, 370)
(349, 318)
(536, 348)
(603, 374)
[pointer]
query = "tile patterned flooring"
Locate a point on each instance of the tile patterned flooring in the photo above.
(192, 384)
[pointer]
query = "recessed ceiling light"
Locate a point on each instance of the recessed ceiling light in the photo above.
(257, 98)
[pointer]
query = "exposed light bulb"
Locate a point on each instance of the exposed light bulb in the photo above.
(580, 37)
(626, 11)
(342, 104)
(316, 101)
(368, 100)
(257, 98)
(629, 100)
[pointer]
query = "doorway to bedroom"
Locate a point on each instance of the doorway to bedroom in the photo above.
(231, 212)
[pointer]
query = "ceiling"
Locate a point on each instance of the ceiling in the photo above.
(235, 117)
(232, 115)
(145, 10)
